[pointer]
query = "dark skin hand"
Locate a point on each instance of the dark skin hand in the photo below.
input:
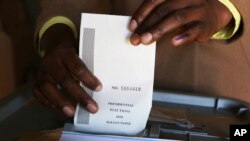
(62, 67)
(185, 21)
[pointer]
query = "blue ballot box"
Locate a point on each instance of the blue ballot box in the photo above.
(182, 116)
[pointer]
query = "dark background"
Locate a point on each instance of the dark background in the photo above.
(18, 58)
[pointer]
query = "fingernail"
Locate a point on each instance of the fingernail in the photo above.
(135, 39)
(98, 88)
(180, 37)
(146, 38)
(178, 40)
(92, 108)
(68, 111)
(132, 25)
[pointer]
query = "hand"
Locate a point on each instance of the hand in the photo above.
(184, 21)
(62, 67)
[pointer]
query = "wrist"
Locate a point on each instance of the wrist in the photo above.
(54, 36)
(58, 31)
(233, 26)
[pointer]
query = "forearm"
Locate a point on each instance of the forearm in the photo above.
(54, 13)
(70, 9)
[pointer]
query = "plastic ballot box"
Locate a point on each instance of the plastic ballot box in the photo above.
(181, 116)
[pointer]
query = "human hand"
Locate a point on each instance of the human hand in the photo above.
(184, 21)
(62, 67)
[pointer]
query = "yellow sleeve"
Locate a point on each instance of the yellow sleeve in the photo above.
(228, 32)
(50, 23)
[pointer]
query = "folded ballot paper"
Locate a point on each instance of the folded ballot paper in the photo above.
(126, 72)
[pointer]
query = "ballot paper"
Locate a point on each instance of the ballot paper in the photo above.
(125, 71)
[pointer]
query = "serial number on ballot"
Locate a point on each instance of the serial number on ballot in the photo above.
(127, 88)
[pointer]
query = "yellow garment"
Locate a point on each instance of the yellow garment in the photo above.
(51, 22)
(228, 32)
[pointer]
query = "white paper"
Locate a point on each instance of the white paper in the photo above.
(125, 71)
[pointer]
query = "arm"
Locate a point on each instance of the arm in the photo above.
(63, 11)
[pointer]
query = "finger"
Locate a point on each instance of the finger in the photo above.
(142, 12)
(38, 94)
(74, 89)
(71, 87)
(160, 13)
(155, 16)
(49, 88)
(79, 94)
(174, 22)
(188, 36)
(75, 65)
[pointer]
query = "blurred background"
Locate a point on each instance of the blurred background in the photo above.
(18, 58)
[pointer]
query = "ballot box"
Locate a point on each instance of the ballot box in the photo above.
(181, 116)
